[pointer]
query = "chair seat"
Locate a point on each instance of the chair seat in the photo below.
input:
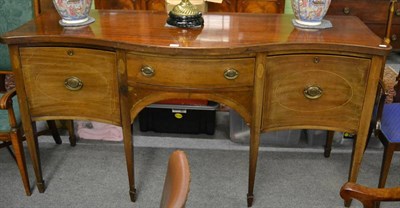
(4, 121)
(390, 123)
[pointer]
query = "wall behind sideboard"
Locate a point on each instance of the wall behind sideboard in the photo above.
(288, 7)
(12, 14)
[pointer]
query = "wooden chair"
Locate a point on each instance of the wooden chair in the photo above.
(177, 181)
(387, 124)
(369, 197)
(388, 132)
(387, 129)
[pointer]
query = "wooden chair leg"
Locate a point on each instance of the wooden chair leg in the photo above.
(16, 140)
(386, 161)
(53, 128)
(3, 83)
(71, 132)
(370, 130)
(328, 143)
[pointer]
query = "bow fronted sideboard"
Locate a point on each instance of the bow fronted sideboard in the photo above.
(274, 75)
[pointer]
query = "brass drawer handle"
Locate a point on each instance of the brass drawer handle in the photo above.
(73, 83)
(147, 71)
(231, 73)
(346, 10)
(313, 92)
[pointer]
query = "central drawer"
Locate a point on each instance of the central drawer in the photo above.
(314, 90)
(190, 72)
(71, 82)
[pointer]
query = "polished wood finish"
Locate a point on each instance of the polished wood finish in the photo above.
(373, 13)
(45, 72)
(340, 78)
(256, 45)
(246, 6)
(369, 197)
(164, 66)
(240, 33)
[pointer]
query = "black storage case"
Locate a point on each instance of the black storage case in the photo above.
(189, 119)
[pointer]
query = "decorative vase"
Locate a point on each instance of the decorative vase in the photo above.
(310, 12)
(74, 12)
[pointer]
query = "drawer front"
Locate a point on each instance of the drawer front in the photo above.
(327, 91)
(192, 73)
(71, 82)
(374, 11)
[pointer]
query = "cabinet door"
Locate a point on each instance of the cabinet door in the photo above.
(314, 90)
(76, 83)
(260, 6)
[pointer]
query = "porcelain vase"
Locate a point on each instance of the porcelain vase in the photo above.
(310, 12)
(73, 11)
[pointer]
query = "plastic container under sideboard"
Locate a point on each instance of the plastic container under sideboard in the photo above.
(239, 132)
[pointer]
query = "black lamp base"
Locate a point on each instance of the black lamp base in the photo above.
(185, 21)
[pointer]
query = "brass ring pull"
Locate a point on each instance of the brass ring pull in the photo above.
(73, 83)
(231, 73)
(147, 71)
(313, 92)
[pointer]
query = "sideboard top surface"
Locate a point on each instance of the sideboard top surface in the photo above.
(238, 32)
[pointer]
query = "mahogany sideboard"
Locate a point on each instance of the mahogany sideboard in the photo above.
(274, 75)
